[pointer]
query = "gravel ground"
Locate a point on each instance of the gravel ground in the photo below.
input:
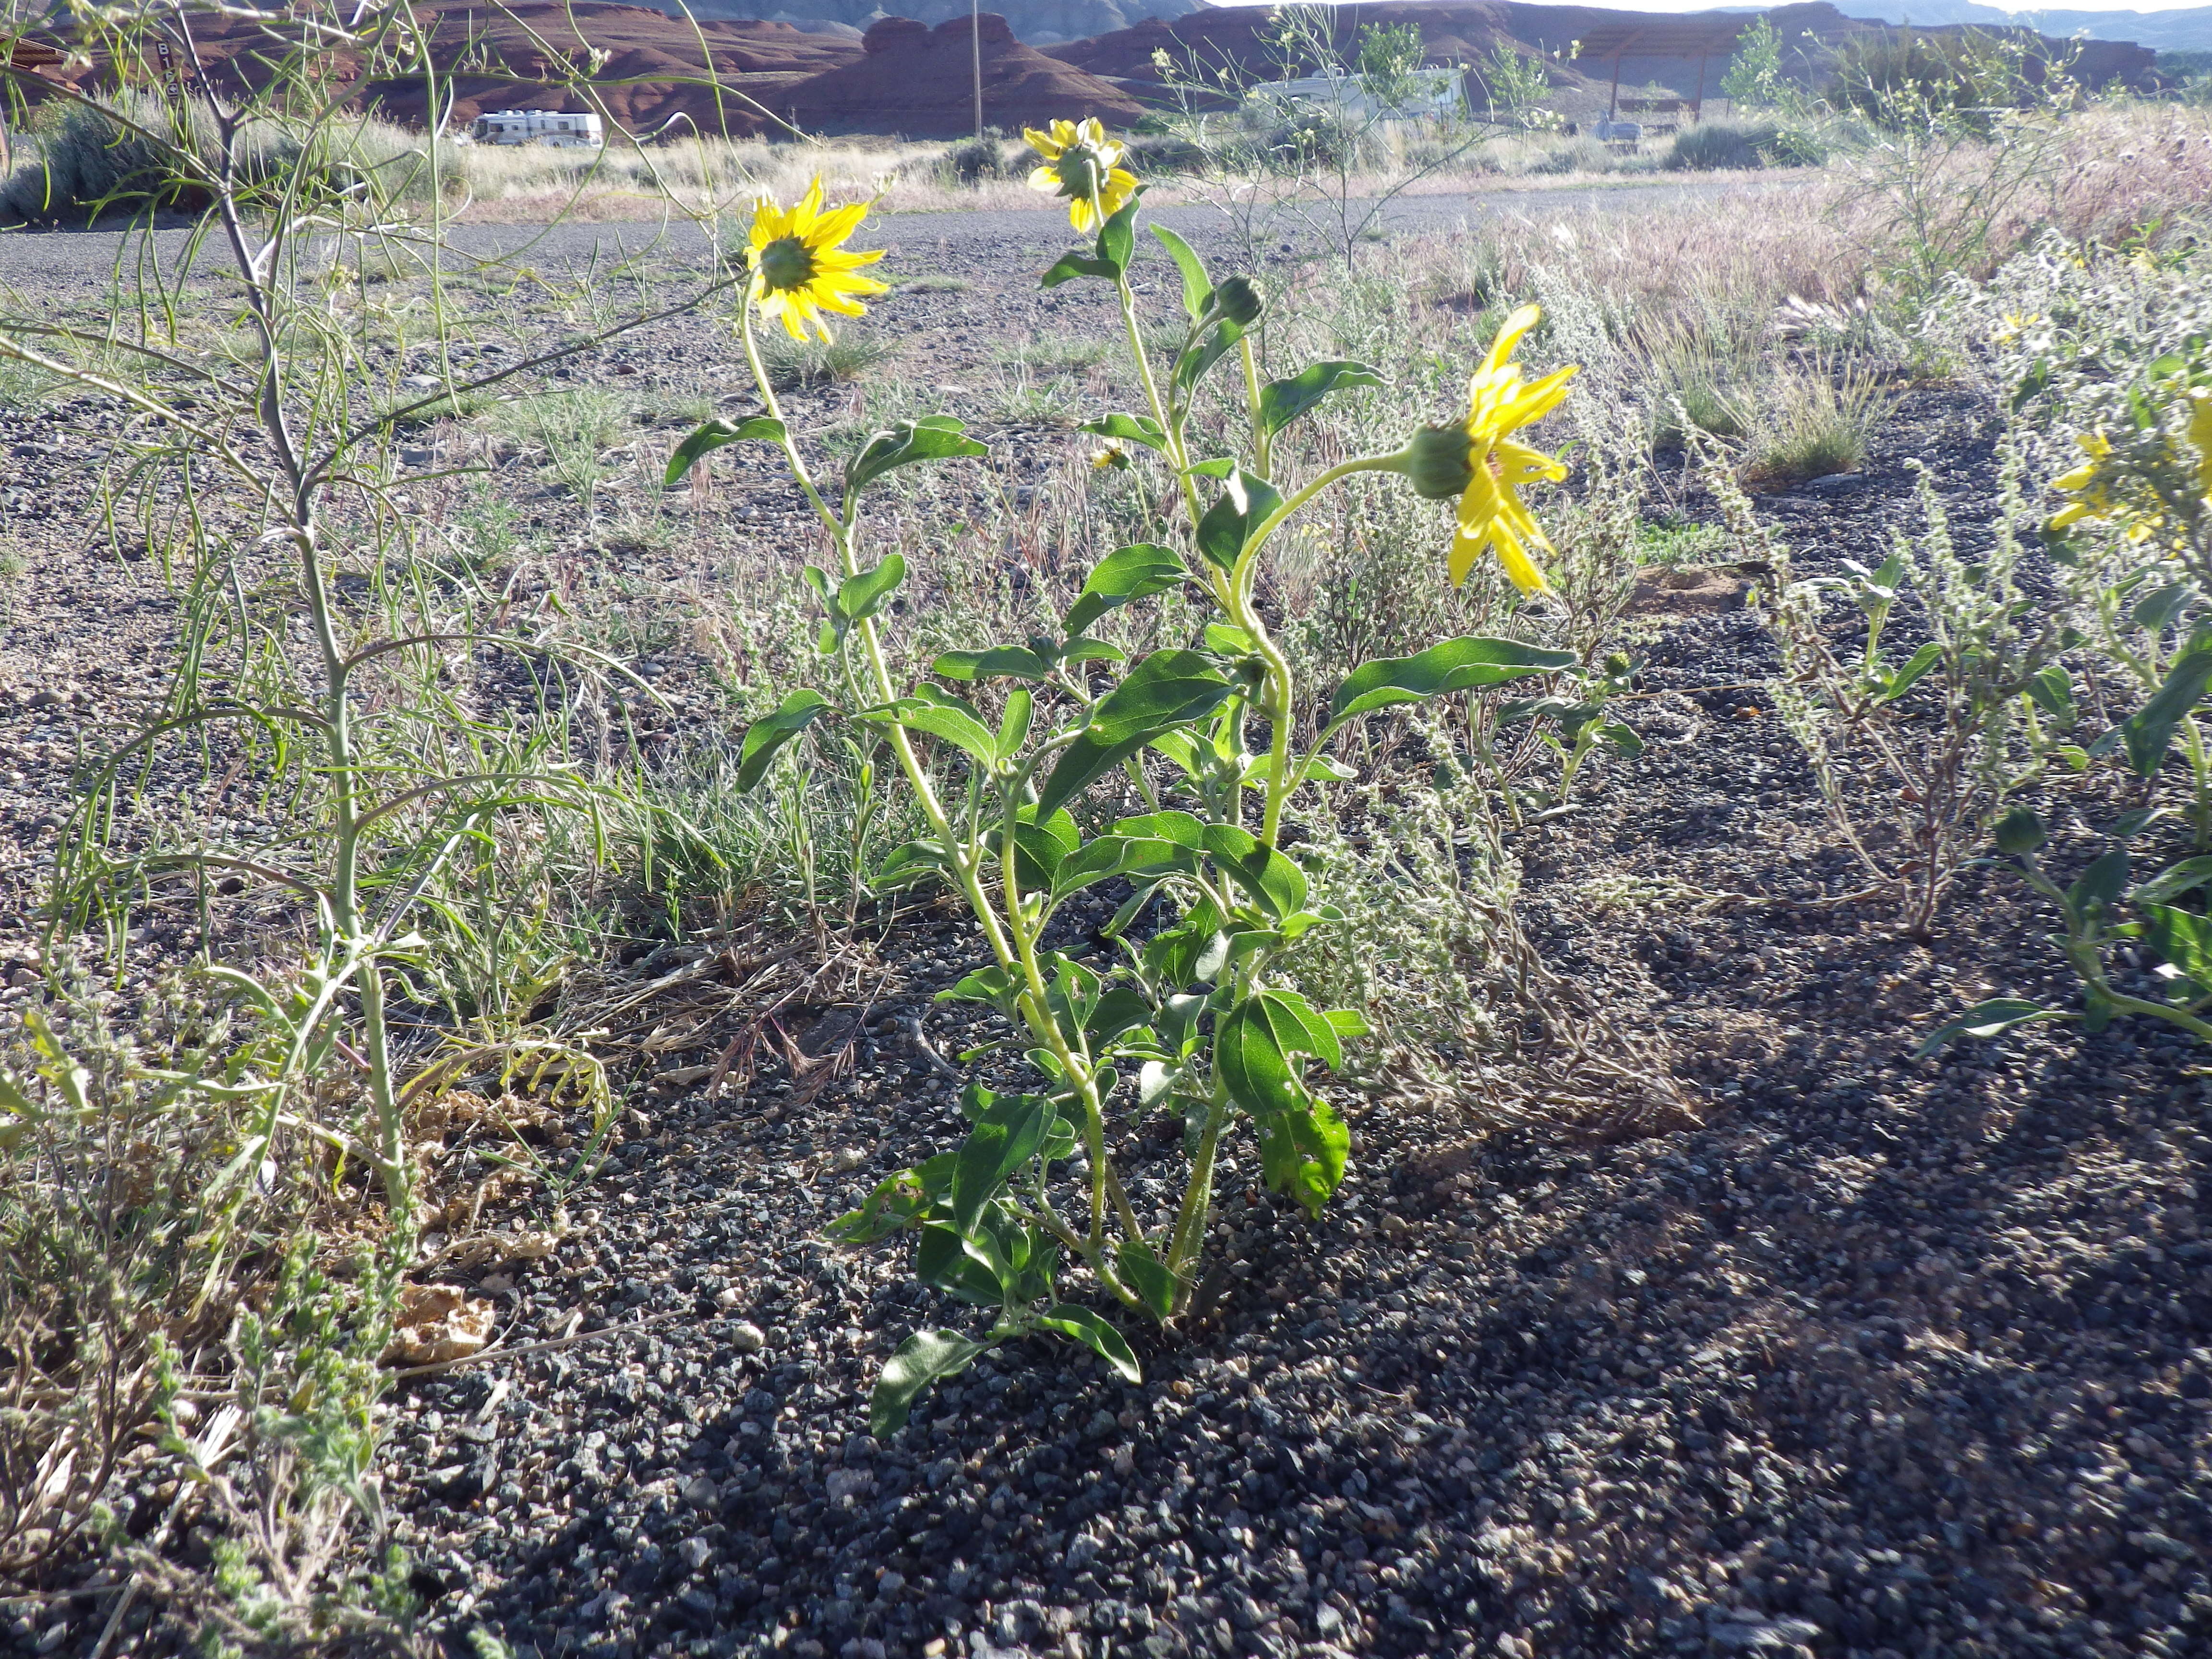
(1890, 1357)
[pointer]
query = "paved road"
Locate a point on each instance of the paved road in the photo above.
(64, 259)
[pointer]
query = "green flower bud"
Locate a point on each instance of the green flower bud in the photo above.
(1079, 172)
(1237, 302)
(2020, 832)
(1442, 464)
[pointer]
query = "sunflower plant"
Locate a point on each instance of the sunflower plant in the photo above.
(1027, 807)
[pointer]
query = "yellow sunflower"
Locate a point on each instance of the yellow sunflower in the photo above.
(2200, 434)
(1479, 462)
(2086, 483)
(1084, 164)
(799, 270)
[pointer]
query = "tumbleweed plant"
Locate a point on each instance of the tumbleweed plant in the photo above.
(1014, 751)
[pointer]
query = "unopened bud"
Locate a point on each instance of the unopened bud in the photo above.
(1441, 463)
(2020, 832)
(1237, 302)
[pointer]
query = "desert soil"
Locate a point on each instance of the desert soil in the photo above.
(1887, 1357)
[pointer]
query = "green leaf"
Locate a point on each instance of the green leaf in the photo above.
(1282, 402)
(1244, 505)
(2052, 691)
(765, 736)
(1117, 237)
(2100, 885)
(1258, 1044)
(1907, 677)
(2170, 883)
(1069, 266)
(2157, 610)
(1111, 855)
(1000, 662)
(898, 1201)
(2182, 937)
(1622, 737)
(1167, 689)
(941, 715)
(1040, 849)
(1453, 666)
(1146, 1275)
(862, 596)
(924, 1358)
(1991, 1018)
(1135, 572)
(990, 985)
(2149, 730)
(1197, 286)
(1014, 722)
(1277, 884)
(932, 438)
(1210, 346)
(1005, 1136)
(1131, 429)
(1081, 1325)
(906, 865)
(713, 435)
(1302, 1150)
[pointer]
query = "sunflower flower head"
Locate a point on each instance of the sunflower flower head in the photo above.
(801, 268)
(1079, 161)
(1478, 461)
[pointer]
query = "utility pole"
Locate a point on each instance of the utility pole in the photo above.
(976, 45)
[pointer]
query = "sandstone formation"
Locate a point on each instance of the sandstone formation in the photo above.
(1039, 22)
(918, 80)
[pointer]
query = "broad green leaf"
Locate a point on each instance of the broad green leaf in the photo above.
(1000, 662)
(2170, 883)
(2099, 885)
(2157, 610)
(1040, 848)
(2182, 937)
(1282, 402)
(941, 715)
(1277, 884)
(932, 438)
(1244, 505)
(1896, 685)
(915, 862)
(1128, 429)
(2052, 691)
(991, 985)
(1197, 286)
(1117, 237)
(1991, 1018)
(713, 436)
(1621, 736)
(765, 736)
(1014, 721)
(1167, 689)
(1122, 1009)
(1081, 1325)
(1453, 666)
(1069, 266)
(925, 1358)
(863, 595)
(1108, 856)
(1135, 572)
(1211, 345)
(1004, 1138)
(2149, 730)
(1144, 1271)
(1302, 1151)
(1258, 1044)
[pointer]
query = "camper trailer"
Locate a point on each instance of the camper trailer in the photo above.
(559, 129)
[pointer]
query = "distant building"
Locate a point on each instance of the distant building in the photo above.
(556, 129)
(1423, 92)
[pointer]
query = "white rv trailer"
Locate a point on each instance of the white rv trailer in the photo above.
(558, 128)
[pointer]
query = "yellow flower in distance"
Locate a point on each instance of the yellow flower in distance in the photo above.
(800, 271)
(1084, 164)
(1479, 462)
(2200, 434)
(2092, 500)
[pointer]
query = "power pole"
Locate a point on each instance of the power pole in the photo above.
(976, 45)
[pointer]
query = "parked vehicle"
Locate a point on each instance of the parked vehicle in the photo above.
(556, 129)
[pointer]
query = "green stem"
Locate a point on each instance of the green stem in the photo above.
(1261, 444)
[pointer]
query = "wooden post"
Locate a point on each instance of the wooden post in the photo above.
(1613, 104)
(976, 45)
(1697, 104)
